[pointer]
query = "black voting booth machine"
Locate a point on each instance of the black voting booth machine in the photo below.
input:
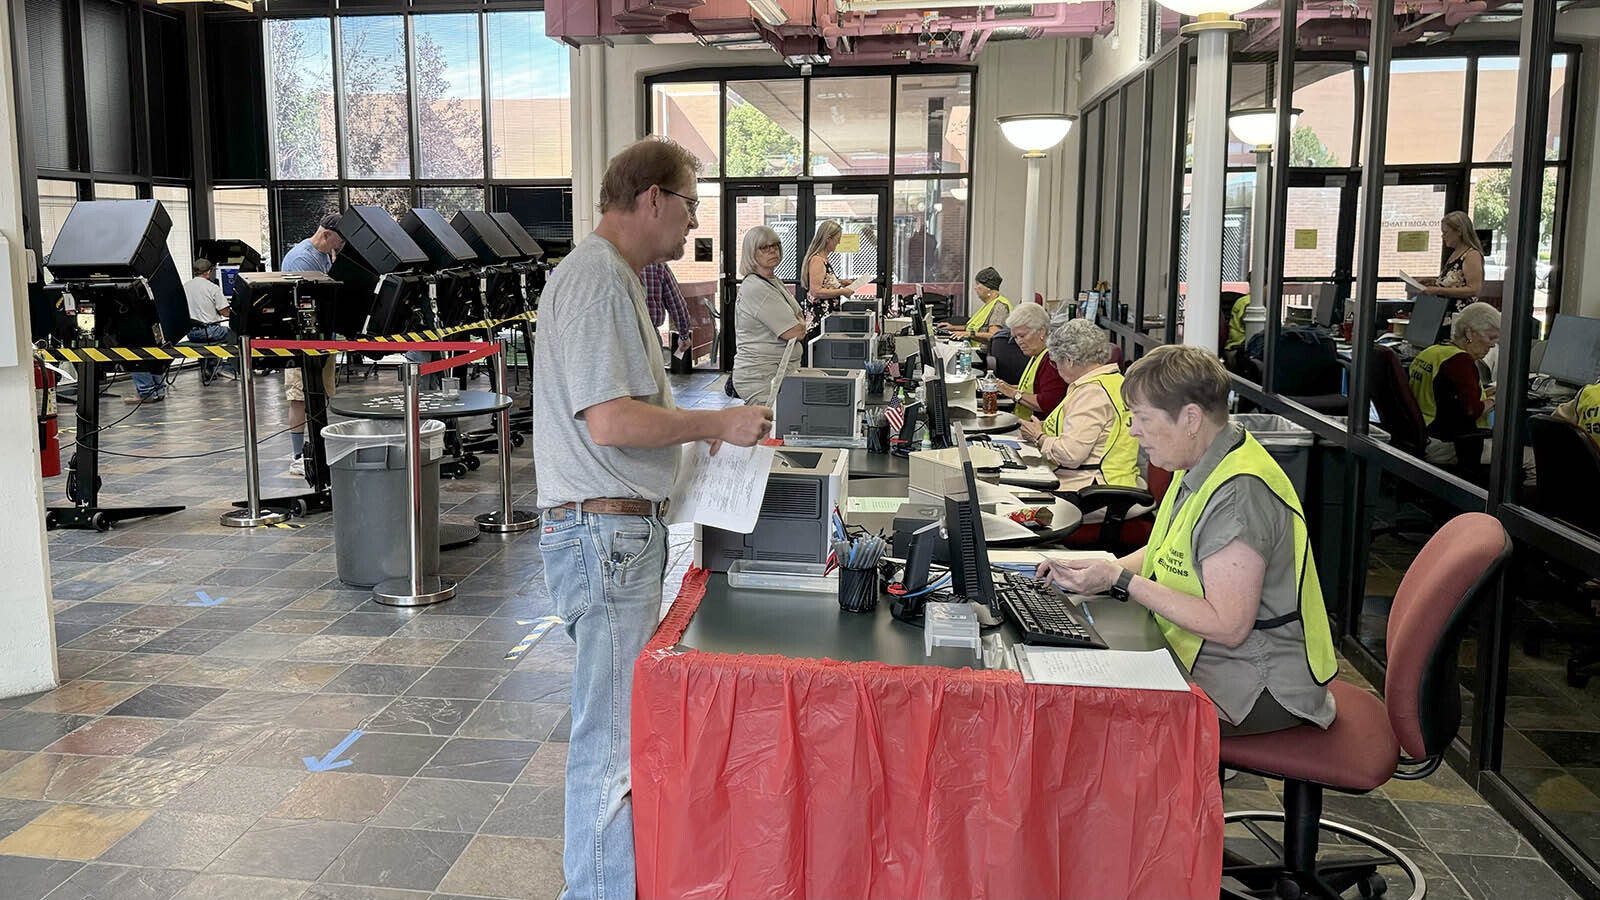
(114, 285)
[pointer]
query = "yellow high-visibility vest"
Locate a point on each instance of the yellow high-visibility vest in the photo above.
(1120, 463)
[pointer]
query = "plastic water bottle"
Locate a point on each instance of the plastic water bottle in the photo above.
(964, 362)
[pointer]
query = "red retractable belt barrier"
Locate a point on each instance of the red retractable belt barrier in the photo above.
(764, 776)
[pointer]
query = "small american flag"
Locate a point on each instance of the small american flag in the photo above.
(892, 369)
(895, 414)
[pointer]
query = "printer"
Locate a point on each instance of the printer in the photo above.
(822, 408)
(795, 523)
(849, 323)
(843, 350)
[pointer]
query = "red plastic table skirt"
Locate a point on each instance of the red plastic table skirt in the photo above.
(764, 776)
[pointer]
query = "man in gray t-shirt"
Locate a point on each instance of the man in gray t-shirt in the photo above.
(605, 444)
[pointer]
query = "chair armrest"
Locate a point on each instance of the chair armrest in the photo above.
(1116, 500)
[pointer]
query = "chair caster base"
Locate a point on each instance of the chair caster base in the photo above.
(1329, 879)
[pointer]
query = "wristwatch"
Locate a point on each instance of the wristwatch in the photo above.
(1120, 589)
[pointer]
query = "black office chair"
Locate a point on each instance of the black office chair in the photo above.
(1558, 599)
(1006, 359)
(1399, 415)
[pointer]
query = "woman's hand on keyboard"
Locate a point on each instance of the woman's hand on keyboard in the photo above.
(1080, 576)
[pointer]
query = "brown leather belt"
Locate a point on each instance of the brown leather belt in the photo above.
(621, 506)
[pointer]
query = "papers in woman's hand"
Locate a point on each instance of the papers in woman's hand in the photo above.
(858, 281)
(1415, 285)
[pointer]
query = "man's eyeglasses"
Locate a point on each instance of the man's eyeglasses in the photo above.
(692, 203)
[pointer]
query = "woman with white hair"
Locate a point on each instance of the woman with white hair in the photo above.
(1455, 403)
(1087, 434)
(766, 318)
(1039, 388)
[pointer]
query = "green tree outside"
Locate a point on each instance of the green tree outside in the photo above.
(1306, 149)
(757, 145)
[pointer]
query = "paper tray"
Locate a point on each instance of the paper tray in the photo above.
(780, 576)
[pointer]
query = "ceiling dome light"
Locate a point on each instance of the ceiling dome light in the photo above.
(1258, 127)
(1210, 15)
(1035, 132)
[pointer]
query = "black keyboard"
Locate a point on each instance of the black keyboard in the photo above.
(1043, 613)
(1009, 458)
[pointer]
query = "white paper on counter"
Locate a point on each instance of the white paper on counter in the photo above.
(1141, 670)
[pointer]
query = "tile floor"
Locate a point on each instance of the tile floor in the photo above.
(171, 761)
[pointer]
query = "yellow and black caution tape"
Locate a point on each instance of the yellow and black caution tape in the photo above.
(223, 351)
(541, 625)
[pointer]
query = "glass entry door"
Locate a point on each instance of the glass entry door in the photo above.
(794, 210)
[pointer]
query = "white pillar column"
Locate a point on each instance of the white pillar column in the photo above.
(1203, 304)
(27, 630)
(1255, 315)
(1030, 228)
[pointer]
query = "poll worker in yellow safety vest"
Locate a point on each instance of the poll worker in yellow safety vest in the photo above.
(991, 316)
(1228, 571)
(1086, 436)
(1445, 381)
(1039, 389)
(1584, 412)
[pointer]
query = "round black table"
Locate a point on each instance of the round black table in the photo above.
(432, 405)
(977, 423)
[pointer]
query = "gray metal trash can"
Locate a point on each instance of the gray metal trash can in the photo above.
(367, 461)
(1288, 443)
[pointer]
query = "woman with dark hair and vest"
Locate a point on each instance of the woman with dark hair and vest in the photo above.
(990, 317)
(1086, 435)
(1228, 571)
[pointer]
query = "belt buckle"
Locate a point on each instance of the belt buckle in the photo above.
(662, 507)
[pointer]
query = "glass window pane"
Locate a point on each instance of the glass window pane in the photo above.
(1111, 162)
(396, 201)
(448, 201)
(1311, 242)
(1159, 214)
(529, 99)
(932, 128)
(56, 199)
(763, 127)
(687, 113)
(1324, 135)
(108, 76)
(55, 104)
(930, 236)
(299, 211)
(104, 190)
(1238, 208)
(850, 126)
(1496, 115)
(300, 52)
(1489, 206)
(1250, 87)
(241, 213)
(180, 240)
(377, 115)
(1090, 225)
(1133, 175)
(448, 80)
(709, 227)
(1425, 109)
(546, 212)
(1411, 216)
(857, 214)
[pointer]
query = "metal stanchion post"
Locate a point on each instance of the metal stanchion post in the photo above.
(252, 514)
(506, 520)
(415, 588)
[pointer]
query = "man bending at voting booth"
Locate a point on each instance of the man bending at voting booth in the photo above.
(314, 254)
(1086, 435)
(1228, 571)
(607, 448)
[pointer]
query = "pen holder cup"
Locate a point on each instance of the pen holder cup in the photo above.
(875, 382)
(858, 589)
(878, 439)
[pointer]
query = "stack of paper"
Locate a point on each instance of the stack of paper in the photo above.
(1148, 670)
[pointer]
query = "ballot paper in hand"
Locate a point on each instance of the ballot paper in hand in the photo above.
(856, 283)
(723, 491)
(1415, 285)
(1149, 670)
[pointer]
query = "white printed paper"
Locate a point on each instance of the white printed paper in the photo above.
(723, 491)
(1415, 284)
(858, 281)
(873, 504)
(1147, 670)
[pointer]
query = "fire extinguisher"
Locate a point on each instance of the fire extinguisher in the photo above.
(44, 381)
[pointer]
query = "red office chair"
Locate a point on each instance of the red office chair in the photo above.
(1402, 736)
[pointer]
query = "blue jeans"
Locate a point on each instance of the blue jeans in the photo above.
(604, 573)
(148, 385)
(215, 333)
(432, 381)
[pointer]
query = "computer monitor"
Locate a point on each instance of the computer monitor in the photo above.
(908, 426)
(1572, 355)
(919, 557)
(1325, 307)
(225, 279)
(1427, 320)
(969, 555)
(938, 410)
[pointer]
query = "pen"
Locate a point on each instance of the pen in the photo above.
(1086, 614)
